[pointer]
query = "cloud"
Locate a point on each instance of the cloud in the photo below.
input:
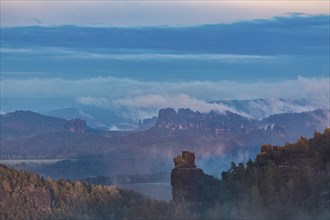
(261, 108)
(138, 55)
(144, 98)
(164, 56)
(289, 35)
(95, 101)
(147, 105)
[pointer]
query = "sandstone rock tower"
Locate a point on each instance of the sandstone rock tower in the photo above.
(191, 184)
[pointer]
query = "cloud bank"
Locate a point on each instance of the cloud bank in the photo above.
(132, 55)
(141, 99)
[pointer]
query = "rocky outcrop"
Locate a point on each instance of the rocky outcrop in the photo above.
(186, 160)
(212, 122)
(191, 184)
(278, 129)
(76, 125)
(273, 153)
(148, 123)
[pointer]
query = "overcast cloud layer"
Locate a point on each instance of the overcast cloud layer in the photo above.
(277, 49)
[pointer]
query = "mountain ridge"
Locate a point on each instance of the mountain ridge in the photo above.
(116, 153)
(262, 108)
(171, 124)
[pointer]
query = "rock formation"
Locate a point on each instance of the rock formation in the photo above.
(191, 184)
(186, 160)
(212, 122)
(76, 125)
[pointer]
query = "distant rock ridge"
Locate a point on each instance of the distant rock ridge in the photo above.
(228, 123)
(191, 184)
(147, 122)
(76, 125)
(214, 122)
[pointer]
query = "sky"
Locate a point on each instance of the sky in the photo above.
(149, 12)
(135, 57)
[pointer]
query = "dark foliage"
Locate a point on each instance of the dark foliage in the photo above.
(28, 196)
(294, 186)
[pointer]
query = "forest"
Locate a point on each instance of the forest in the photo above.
(288, 182)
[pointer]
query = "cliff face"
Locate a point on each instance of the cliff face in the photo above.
(191, 184)
(212, 122)
(290, 125)
(76, 125)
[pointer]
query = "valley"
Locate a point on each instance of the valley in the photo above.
(294, 174)
(164, 110)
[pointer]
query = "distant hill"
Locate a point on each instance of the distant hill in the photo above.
(28, 123)
(95, 118)
(296, 124)
(263, 108)
(70, 113)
